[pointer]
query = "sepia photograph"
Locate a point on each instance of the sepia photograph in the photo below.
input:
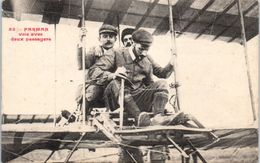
(130, 81)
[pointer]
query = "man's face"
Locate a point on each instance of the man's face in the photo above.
(141, 49)
(127, 40)
(107, 40)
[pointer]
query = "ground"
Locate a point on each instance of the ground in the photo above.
(228, 155)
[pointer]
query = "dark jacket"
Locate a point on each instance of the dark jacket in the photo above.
(139, 71)
(90, 57)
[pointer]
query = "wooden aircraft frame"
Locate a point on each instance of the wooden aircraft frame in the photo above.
(182, 136)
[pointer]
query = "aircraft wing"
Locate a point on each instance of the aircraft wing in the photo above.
(214, 19)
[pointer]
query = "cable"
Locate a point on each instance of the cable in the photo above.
(66, 141)
(96, 157)
(17, 155)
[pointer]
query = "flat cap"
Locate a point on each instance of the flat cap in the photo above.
(106, 28)
(127, 31)
(143, 37)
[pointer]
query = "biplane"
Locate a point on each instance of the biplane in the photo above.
(230, 21)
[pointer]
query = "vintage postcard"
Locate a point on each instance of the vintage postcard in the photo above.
(130, 81)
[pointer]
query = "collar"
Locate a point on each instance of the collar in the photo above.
(103, 49)
(132, 55)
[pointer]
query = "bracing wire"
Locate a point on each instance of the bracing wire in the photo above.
(17, 155)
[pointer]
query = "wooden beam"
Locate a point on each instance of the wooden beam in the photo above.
(147, 13)
(217, 18)
(125, 7)
(247, 27)
(53, 11)
(197, 16)
(33, 117)
(83, 42)
(74, 148)
(235, 21)
(243, 35)
(174, 56)
(87, 8)
(92, 144)
(17, 118)
(48, 128)
(113, 13)
(163, 129)
(47, 118)
(163, 26)
(179, 10)
(232, 39)
(26, 118)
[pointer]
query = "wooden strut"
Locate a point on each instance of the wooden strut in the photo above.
(243, 35)
(52, 152)
(182, 152)
(132, 157)
(109, 128)
(74, 148)
(83, 64)
(55, 74)
(195, 152)
(210, 134)
(121, 103)
(174, 53)
(118, 27)
(185, 155)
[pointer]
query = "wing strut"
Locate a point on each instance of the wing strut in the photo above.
(55, 75)
(174, 53)
(243, 35)
(75, 147)
(83, 64)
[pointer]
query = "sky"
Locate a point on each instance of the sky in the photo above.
(42, 77)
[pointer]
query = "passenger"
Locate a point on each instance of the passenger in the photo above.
(94, 91)
(126, 37)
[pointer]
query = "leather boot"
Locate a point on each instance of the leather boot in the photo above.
(141, 119)
(131, 107)
(159, 102)
(144, 120)
(165, 120)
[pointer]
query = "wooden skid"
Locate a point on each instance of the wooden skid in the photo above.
(164, 129)
(40, 127)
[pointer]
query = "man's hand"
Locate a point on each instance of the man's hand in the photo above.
(120, 72)
(172, 59)
(82, 33)
(98, 51)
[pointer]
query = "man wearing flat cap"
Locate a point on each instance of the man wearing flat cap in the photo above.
(107, 39)
(94, 90)
(143, 95)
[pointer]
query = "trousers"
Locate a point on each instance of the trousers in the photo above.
(152, 98)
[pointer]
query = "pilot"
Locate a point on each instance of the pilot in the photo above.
(144, 95)
(125, 152)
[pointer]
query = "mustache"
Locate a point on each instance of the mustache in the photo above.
(108, 43)
(128, 44)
